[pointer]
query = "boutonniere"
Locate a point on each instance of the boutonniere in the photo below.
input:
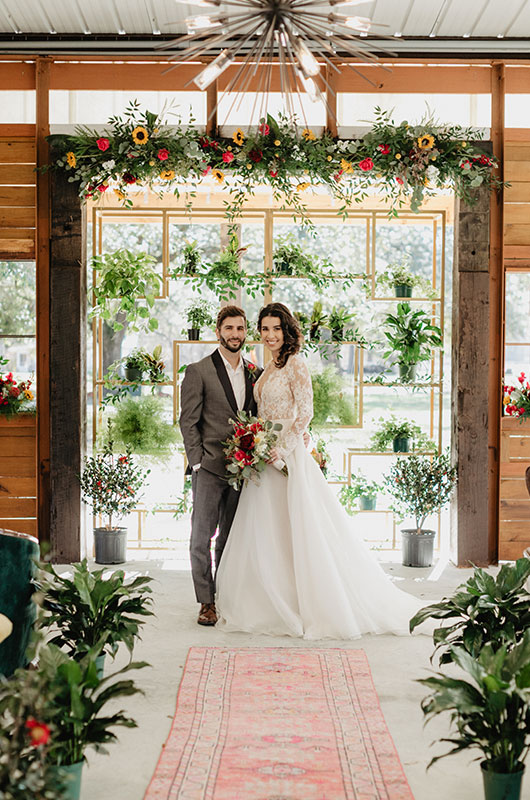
(252, 370)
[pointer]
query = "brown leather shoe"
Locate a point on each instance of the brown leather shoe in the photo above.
(207, 614)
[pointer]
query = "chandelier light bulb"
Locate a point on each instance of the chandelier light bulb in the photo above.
(213, 70)
(307, 61)
(309, 86)
(204, 22)
(355, 23)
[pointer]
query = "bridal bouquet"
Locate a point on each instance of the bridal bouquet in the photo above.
(248, 449)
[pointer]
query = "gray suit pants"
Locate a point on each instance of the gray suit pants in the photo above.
(214, 505)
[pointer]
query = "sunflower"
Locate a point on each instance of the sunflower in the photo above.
(140, 135)
(167, 174)
(308, 135)
(426, 142)
(238, 137)
(302, 187)
(346, 166)
(28, 395)
(119, 194)
(71, 159)
(218, 175)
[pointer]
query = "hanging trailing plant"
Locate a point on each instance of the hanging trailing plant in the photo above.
(405, 162)
(126, 285)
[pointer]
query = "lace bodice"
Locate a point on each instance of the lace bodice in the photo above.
(286, 394)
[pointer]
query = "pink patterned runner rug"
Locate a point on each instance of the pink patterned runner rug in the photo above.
(278, 724)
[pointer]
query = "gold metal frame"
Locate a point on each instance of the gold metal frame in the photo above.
(371, 216)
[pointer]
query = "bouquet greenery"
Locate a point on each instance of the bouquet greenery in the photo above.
(248, 450)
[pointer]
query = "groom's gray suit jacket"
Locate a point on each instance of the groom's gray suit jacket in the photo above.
(207, 404)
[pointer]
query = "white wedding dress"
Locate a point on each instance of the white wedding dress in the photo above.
(294, 564)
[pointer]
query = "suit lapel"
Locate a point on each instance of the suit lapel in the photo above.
(225, 380)
(249, 387)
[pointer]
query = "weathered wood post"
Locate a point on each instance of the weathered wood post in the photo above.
(67, 366)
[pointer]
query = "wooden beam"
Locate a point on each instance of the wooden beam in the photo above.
(496, 311)
(331, 101)
(67, 364)
(43, 299)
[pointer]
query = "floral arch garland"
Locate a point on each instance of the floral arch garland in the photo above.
(405, 162)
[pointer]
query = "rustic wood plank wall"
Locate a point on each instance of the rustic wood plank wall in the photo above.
(17, 197)
(18, 478)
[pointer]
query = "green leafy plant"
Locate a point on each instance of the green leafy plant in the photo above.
(111, 484)
(200, 314)
(317, 320)
(337, 321)
(399, 273)
(134, 360)
(330, 401)
(25, 739)
(303, 320)
(126, 286)
(359, 487)
(88, 608)
(421, 485)
(490, 712)
(411, 335)
(139, 426)
(224, 275)
(486, 609)
(393, 428)
(191, 258)
(140, 359)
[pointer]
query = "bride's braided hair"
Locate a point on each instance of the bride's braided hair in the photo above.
(292, 334)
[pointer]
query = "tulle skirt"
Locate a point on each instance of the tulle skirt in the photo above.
(295, 563)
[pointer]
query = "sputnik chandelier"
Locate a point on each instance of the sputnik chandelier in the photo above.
(257, 35)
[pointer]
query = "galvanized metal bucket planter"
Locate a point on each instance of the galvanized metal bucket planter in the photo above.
(417, 548)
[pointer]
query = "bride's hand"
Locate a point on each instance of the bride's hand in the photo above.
(273, 456)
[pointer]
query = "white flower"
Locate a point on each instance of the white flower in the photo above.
(109, 164)
(432, 173)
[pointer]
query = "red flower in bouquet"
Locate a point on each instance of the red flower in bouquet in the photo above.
(248, 450)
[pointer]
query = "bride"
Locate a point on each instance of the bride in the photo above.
(294, 564)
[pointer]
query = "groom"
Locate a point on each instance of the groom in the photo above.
(213, 391)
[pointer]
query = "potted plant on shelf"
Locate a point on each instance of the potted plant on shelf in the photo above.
(401, 434)
(126, 286)
(303, 321)
(199, 315)
(191, 258)
(317, 321)
(489, 709)
(111, 485)
(133, 366)
(337, 321)
(399, 276)
(411, 336)
(224, 276)
(363, 490)
(420, 486)
(486, 609)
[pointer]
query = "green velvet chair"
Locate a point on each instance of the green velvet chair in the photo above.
(18, 552)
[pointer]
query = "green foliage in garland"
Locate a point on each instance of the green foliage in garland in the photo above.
(406, 162)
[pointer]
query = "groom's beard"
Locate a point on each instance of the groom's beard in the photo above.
(231, 345)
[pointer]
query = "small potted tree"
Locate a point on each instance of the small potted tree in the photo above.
(111, 485)
(411, 337)
(199, 315)
(489, 710)
(420, 486)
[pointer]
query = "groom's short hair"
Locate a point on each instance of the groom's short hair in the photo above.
(229, 311)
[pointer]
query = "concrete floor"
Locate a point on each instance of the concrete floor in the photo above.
(395, 663)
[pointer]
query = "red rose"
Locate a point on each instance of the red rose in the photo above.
(400, 181)
(39, 732)
(239, 455)
(273, 173)
(128, 178)
(247, 441)
(203, 141)
(240, 431)
(384, 148)
(255, 156)
(123, 459)
(103, 143)
(206, 170)
(264, 129)
(15, 391)
(102, 187)
(338, 175)
(228, 157)
(366, 164)
(215, 145)
(163, 154)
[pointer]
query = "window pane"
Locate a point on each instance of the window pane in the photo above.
(17, 297)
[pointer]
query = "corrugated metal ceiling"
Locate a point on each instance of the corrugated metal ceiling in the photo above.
(468, 21)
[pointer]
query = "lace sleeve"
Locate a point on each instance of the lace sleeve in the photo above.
(302, 389)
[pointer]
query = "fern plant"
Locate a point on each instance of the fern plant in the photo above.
(140, 426)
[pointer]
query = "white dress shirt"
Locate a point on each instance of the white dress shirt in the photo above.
(237, 379)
